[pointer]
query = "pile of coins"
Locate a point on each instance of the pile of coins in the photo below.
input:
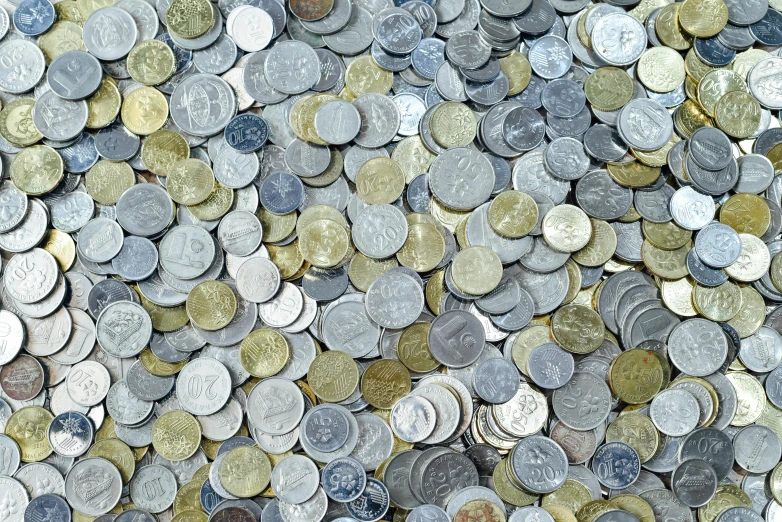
(410, 260)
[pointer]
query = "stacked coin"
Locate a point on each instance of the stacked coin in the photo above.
(337, 260)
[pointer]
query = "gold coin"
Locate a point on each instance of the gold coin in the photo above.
(447, 217)
(363, 76)
(211, 305)
(513, 214)
(216, 205)
(144, 110)
(151, 62)
(601, 245)
(287, 258)
(188, 498)
(571, 495)
(264, 353)
(636, 430)
(176, 435)
(37, 170)
(483, 510)
(526, 341)
(162, 149)
(413, 348)
(507, 489)
(752, 313)
(719, 303)
(636, 376)
(190, 18)
(754, 261)
(333, 376)
(453, 124)
(306, 117)
(608, 88)
(752, 398)
(726, 497)
(190, 181)
(517, 68)
(28, 427)
(245, 471)
(190, 515)
(591, 510)
(380, 180)
(476, 270)
(635, 505)
(661, 69)
(738, 114)
(633, 173)
(435, 291)
(61, 246)
(157, 366)
(87, 7)
(412, 156)
(68, 10)
(775, 483)
(16, 123)
(363, 270)
(316, 212)
(324, 243)
(118, 453)
(746, 214)
(566, 228)
(717, 84)
(666, 236)
(775, 271)
(659, 157)
(64, 36)
(670, 32)
(574, 280)
(669, 264)
(108, 180)
(703, 18)
(423, 249)
(690, 117)
(578, 329)
(677, 295)
(561, 513)
(696, 68)
(384, 382)
(103, 106)
(775, 156)
(165, 318)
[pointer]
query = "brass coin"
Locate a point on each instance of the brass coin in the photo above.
(591, 510)
(333, 376)
(287, 258)
(754, 261)
(677, 295)
(28, 426)
(752, 313)
(324, 243)
(719, 303)
(659, 157)
(190, 515)
(566, 228)
(717, 84)
(670, 32)
(578, 329)
(636, 376)
(104, 106)
(412, 156)
(453, 124)
(738, 114)
(190, 181)
(363, 75)
(165, 318)
(188, 498)
(635, 505)
(476, 270)
(669, 264)
(413, 348)
(37, 170)
(190, 18)
(666, 236)
(608, 88)
(483, 510)
(216, 205)
(633, 174)
(746, 214)
(661, 69)
(513, 214)
(156, 366)
(16, 123)
(162, 149)
(601, 245)
(423, 249)
(145, 110)
(561, 513)
(245, 471)
(636, 430)
(211, 305)
(151, 62)
(703, 18)
(61, 246)
(176, 435)
(727, 496)
(118, 453)
(384, 382)
(264, 353)
(752, 398)
(507, 489)
(380, 180)
(571, 495)
(517, 68)
(107, 181)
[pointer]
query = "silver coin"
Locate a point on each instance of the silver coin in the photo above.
(394, 300)
(313, 509)
(145, 210)
(123, 329)
(31, 276)
(110, 33)
(153, 488)
(496, 380)
(549, 366)
(578, 413)
(644, 124)
(74, 75)
(718, 245)
(191, 97)
(675, 412)
(275, 406)
(97, 472)
(337, 122)
(295, 479)
(539, 464)
(609, 34)
(755, 448)
(22, 66)
(375, 441)
(413, 419)
(30, 232)
(100, 240)
(203, 386)
(283, 59)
